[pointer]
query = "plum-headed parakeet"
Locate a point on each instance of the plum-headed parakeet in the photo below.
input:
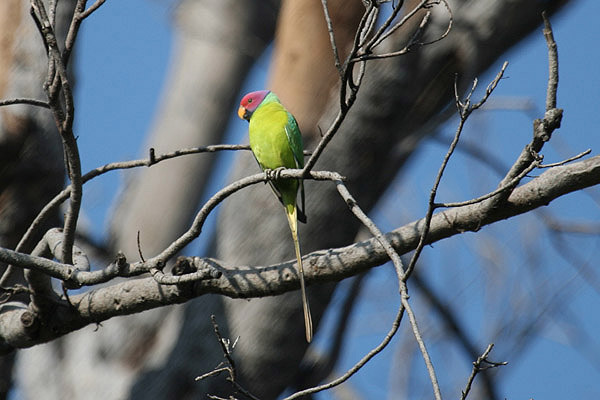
(276, 142)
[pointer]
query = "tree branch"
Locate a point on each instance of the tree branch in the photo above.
(45, 213)
(57, 82)
(481, 364)
(255, 281)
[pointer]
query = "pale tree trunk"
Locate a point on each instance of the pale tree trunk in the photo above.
(158, 354)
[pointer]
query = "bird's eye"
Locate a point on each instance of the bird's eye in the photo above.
(249, 101)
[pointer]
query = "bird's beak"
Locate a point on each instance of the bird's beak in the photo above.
(243, 113)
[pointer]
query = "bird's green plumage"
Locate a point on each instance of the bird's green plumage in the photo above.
(276, 142)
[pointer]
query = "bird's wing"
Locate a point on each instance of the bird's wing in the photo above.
(295, 140)
(294, 137)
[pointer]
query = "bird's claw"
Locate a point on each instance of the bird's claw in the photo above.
(274, 174)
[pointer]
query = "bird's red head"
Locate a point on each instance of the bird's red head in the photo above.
(250, 103)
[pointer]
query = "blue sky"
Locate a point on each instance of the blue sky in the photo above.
(124, 51)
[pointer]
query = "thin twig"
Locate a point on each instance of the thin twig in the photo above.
(490, 87)
(464, 111)
(419, 338)
(365, 31)
(318, 366)
(397, 261)
(508, 186)
(73, 30)
(336, 55)
(52, 4)
(379, 36)
(79, 14)
(481, 364)
(453, 325)
(568, 160)
(91, 9)
(542, 128)
(359, 364)
(51, 206)
(552, 64)
(33, 102)
(227, 348)
(367, 54)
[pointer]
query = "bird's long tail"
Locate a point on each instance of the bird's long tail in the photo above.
(291, 211)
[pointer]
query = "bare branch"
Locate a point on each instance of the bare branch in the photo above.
(91, 9)
(464, 111)
(568, 160)
(73, 30)
(227, 349)
(381, 34)
(49, 208)
(336, 56)
(454, 325)
(33, 102)
(397, 261)
(333, 264)
(358, 365)
(481, 364)
(419, 338)
(508, 186)
(317, 366)
(490, 87)
(57, 76)
(370, 225)
(552, 64)
(80, 277)
(79, 14)
(367, 53)
(542, 128)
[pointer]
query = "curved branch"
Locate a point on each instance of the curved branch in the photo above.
(18, 327)
(77, 277)
(31, 102)
(44, 214)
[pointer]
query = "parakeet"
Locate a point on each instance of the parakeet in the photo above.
(276, 142)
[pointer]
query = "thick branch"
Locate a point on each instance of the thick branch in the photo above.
(17, 329)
